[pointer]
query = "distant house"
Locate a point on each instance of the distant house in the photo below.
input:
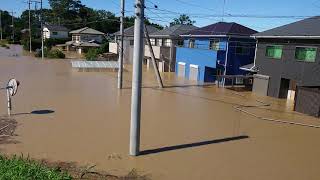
(217, 49)
(83, 39)
(55, 32)
(288, 57)
(128, 42)
(164, 44)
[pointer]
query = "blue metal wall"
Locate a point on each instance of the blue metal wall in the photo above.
(202, 56)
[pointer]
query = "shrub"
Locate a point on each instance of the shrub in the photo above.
(35, 44)
(104, 48)
(56, 54)
(92, 54)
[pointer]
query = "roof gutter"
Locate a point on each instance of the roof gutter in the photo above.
(230, 36)
(287, 37)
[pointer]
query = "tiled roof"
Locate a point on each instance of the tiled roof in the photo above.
(222, 28)
(175, 30)
(130, 31)
(307, 27)
(86, 30)
(56, 28)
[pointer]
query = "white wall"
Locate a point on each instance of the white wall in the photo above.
(47, 34)
(113, 48)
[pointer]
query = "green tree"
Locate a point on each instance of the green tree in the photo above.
(183, 19)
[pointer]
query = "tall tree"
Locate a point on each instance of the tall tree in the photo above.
(183, 19)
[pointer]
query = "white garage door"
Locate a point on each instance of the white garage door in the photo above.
(194, 72)
(181, 69)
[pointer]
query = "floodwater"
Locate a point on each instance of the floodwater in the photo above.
(187, 131)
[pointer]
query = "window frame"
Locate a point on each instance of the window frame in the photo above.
(192, 43)
(167, 42)
(217, 45)
(270, 45)
(153, 41)
(304, 60)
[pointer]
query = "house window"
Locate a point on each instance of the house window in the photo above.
(159, 42)
(153, 42)
(191, 43)
(54, 33)
(131, 42)
(274, 51)
(167, 42)
(180, 43)
(76, 38)
(214, 44)
(242, 50)
(307, 54)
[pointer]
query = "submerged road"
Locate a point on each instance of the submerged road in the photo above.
(188, 132)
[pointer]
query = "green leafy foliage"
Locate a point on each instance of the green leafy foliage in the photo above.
(92, 54)
(104, 48)
(183, 19)
(35, 44)
(56, 54)
(53, 54)
(19, 168)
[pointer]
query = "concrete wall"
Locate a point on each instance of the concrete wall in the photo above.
(304, 73)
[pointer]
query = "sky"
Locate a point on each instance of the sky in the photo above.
(202, 10)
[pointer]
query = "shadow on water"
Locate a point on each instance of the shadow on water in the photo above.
(176, 86)
(191, 145)
(36, 112)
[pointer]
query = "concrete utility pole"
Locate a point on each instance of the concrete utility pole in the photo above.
(1, 25)
(155, 66)
(137, 79)
(42, 43)
(120, 70)
(30, 34)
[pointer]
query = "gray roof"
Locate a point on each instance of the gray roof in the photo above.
(222, 29)
(305, 28)
(174, 31)
(86, 30)
(130, 31)
(56, 28)
(82, 44)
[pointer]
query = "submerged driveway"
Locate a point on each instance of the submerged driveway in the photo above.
(187, 132)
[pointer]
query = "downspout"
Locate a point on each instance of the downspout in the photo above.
(255, 53)
(226, 62)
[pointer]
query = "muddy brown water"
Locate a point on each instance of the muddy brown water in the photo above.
(185, 131)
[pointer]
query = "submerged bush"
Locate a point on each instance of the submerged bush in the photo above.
(53, 54)
(92, 54)
(56, 54)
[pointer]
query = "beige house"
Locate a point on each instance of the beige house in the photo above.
(83, 39)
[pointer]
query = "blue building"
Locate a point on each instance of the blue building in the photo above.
(217, 49)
